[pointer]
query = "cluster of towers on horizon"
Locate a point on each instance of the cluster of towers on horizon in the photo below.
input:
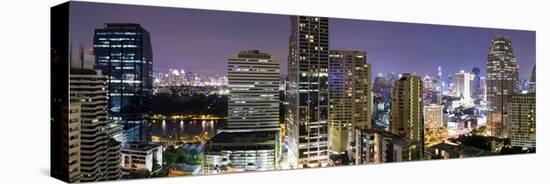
(327, 99)
(327, 103)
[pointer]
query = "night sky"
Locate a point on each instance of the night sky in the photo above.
(200, 41)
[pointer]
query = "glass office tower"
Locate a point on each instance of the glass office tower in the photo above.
(123, 52)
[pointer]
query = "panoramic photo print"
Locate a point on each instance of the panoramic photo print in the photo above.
(146, 92)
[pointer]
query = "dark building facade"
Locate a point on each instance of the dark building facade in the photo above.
(123, 52)
(64, 138)
(475, 84)
(533, 81)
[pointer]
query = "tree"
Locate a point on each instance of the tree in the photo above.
(481, 131)
(476, 141)
(169, 158)
(199, 159)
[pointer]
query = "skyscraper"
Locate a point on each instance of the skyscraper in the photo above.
(502, 77)
(308, 90)
(462, 85)
(123, 52)
(428, 87)
(475, 86)
(449, 83)
(85, 59)
(100, 154)
(483, 93)
(253, 91)
(522, 120)
(533, 81)
(406, 112)
(350, 97)
(252, 139)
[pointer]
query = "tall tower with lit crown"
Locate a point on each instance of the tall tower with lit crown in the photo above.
(502, 77)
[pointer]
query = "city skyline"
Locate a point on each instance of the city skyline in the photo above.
(390, 46)
(314, 104)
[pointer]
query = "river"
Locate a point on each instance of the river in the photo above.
(185, 130)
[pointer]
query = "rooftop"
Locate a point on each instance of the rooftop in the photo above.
(140, 146)
(122, 25)
(260, 137)
(254, 54)
(466, 151)
(395, 139)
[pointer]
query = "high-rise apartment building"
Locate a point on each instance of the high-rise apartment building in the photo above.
(308, 89)
(406, 112)
(350, 97)
(522, 120)
(123, 52)
(99, 153)
(71, 141)
(502, 77)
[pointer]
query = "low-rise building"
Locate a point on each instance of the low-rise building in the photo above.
(374, 147)
(242, 151)
(141, 156)
(448, 150)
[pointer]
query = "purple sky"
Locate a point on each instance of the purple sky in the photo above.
(201, 40)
